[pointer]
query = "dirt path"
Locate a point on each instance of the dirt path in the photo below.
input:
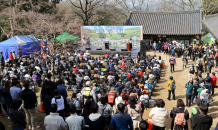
(180, 77)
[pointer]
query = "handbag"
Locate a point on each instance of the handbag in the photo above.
(172, 62)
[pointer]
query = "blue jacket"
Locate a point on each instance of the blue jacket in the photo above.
(121, 121)
(209, 85)
(62, 91)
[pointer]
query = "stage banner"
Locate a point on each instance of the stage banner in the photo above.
(117, 36)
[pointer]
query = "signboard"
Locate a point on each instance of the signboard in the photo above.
(118, 36)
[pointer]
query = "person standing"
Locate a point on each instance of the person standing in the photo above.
(14, 55)
(189, 90)
(180, 108)
(59, 100)
(202, 121)
(46, 99)
(170, 85)
(172, 61)
(7, 96)
(11, 56)
(159, 115)
(216, 58)
(30, 99)
(74, 121)
(209, 65)
(196, 86)
(121, 120)
(17, 116)
(95, 120)
(104, 108)
(2, 59)
(15, 91)
(54, 121)
(195, 110)
(213, 82)
(155, 46)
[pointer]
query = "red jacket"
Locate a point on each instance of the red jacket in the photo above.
(129, 75)
(124, 67)
(213, 80)
(75, 69)
(80, 57)
(11, 56)
(106, 55)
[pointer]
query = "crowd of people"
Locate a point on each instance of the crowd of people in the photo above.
(110, 92)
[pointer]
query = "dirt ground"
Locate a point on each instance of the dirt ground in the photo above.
(180, 77)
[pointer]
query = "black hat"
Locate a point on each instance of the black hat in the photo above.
(171, 77)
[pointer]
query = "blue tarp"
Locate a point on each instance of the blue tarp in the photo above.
(27, 44)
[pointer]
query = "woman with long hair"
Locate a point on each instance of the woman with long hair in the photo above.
(59, 100)
(180, 108)
(134, 110)
(7, 96)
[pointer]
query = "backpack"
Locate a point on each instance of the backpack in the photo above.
(140, 103)
(111, 97)
(198, 112)
(173, 86)
(180, 119)
(87, 92)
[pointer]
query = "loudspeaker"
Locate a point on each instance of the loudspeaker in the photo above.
(99, 48)
(88, 48)
(124, 50)
(143, 47)
(112, 49)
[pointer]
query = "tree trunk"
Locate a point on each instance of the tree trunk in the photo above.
(52, 67)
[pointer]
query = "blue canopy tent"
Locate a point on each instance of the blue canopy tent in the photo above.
(27, 45)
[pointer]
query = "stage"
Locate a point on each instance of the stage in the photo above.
(93, 51)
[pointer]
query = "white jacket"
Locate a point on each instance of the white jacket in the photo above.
(159, 116)
(54, 122)
(75, 122)
(59, 102)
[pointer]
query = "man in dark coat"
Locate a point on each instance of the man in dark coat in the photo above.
(202, 121)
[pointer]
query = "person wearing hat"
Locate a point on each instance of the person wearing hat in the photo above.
(88, 93)
(205, 97)
(207, 82)
(169, 84)
(118, 100)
